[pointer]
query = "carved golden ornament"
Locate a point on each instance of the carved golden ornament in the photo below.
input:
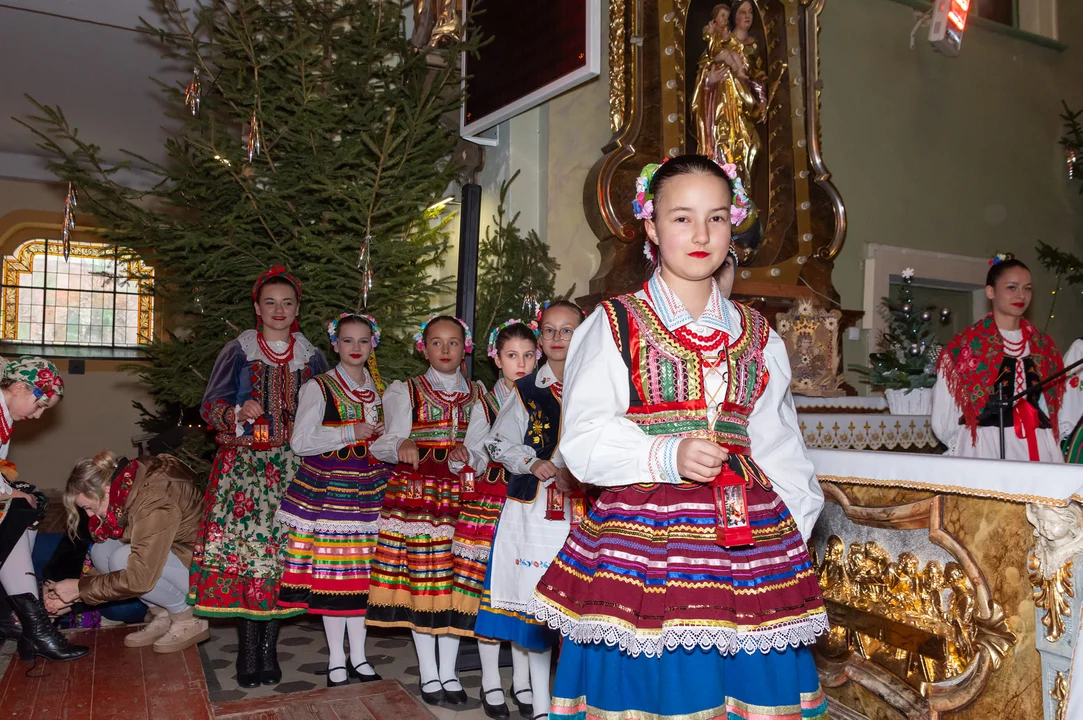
(1052, 594)
(617, 85)
(1060, 694)
(920, 623)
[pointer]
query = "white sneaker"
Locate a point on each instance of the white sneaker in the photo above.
(157, 627)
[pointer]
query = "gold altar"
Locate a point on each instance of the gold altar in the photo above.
(931, 575)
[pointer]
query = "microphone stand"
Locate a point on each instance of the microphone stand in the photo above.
(1007, 404)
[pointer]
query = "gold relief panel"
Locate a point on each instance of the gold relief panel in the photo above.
(913, 620)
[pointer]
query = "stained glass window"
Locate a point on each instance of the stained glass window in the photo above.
(99, 297)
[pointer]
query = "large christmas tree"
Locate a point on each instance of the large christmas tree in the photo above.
(307, 127)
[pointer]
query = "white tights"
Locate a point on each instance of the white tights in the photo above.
(17, 573)
(445, 672)
(336, 629)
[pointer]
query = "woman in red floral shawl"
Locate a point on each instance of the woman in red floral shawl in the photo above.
(1003, 348)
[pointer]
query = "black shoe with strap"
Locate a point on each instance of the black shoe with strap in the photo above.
(39, 637)
(453, 697)
(432, 698)
(270, 673)
(526, 709)
(337, 683)
(356, 674)
(496, 711)
(248, 666)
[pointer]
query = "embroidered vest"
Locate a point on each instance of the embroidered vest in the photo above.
(436, 413)
(542, 432)
(275, 388)
(1008, 368)
(342, 408)
(666, 387)
(494, 481)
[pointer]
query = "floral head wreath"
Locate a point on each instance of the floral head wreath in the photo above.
(542, 307)
(332, 327)
(999, 258)
(741, 208)
(419, 336)
(490, 348)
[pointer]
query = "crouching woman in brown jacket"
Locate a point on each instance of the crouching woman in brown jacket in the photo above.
(144, 516)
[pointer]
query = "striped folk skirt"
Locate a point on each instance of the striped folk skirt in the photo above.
(666, 623)
(471, 550)
(332, 508)
(413, 571)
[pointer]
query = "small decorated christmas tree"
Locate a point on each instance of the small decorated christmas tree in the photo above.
(907, 350)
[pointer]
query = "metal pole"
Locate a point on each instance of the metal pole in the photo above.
(467, 280)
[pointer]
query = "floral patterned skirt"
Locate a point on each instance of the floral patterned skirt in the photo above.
(237, 563)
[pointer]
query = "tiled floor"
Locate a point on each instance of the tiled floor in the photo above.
(302, 653)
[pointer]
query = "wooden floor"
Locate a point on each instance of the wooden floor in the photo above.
(116, 682)
(112, 682)
(381, 700)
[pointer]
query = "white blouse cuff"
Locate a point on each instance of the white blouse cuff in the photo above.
(662, 459)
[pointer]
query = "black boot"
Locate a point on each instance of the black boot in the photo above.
(270, 672)
(9, 628)
(248, 653)
(39, 637)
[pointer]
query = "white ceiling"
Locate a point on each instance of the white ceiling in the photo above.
(100, 77)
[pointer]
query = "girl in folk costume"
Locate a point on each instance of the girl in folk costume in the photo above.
(1071, 411)
(688, 591)
(1003, 348)
(539, 510)
(425, 422)
(513, 346)
(28, 387)
(250, 401)
(333, 504)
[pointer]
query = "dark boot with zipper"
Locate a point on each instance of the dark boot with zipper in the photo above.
(9, 626)
(270, 672)
(39, 637)
(248, 666)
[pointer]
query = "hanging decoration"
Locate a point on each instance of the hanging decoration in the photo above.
(253, 137)
(69, 219)
(531, 304)
(192, 93)
(364, 263)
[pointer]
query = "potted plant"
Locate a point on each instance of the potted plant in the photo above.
(905, 362)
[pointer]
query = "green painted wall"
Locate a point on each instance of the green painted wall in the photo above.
(958, 155)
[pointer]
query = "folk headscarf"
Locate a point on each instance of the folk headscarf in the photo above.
(278, 272)
(37, 372)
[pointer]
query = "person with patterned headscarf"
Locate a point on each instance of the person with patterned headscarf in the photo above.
(251, 401)
(1001, 353)
(28, 387)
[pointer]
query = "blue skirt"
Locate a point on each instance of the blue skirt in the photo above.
(595, 681)
(523, 630)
